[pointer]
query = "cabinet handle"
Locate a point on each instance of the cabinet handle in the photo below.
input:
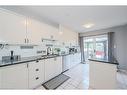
(37, 61)
(37, 69)
(27, 65)
(25, 40)
(37, 78)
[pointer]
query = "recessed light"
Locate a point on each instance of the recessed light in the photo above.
(88, 25)
(60, 32)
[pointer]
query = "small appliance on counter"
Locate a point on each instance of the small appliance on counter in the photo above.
(11, 58)
(56, 51)
(74, 49)
(49, 51)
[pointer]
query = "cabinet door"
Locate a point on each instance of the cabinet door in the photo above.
(37, 30)
(15, 77)
(49, 69)
(57, 65)
(34, 30)
(12, 28)
(36, 73)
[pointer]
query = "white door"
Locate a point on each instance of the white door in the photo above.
(14, 77)
(36, 73)
(12, 28)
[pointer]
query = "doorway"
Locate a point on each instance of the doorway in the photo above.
(96, 47)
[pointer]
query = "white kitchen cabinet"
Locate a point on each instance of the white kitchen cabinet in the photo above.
(37, 30)
(49, 68)
(53, 67)
(12, 28)
(57, 65)
(34, 29)
(67, 35)
(102, 75)
(36, 73)
(14, 77)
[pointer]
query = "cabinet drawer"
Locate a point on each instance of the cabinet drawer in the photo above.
(34, 81)
(36, 73)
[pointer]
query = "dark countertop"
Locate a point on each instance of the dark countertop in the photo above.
(104, 61)
(69, 54)
(30, 59)
(26, 59)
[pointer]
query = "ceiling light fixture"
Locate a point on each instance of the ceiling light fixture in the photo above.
(88, 25)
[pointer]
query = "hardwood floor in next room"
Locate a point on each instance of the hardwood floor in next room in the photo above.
(79, 79)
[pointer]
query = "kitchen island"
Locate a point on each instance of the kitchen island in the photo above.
(102, 74)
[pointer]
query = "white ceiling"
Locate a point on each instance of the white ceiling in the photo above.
(75, 16)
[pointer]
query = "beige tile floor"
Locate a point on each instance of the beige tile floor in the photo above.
(79, 79)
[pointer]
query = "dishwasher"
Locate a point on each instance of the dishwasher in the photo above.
(65, 63)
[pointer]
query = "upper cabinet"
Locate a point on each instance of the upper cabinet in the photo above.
(18, 29)
(12, 28)
(68, 36)
(37, 30)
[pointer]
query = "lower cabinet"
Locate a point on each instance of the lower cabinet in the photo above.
(14, 77)
(49, 68)
(29, 75)
(36, 73)
(102, 75)
(57, 65)
(53, 67)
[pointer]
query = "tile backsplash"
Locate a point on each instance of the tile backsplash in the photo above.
(27, 51)
(19, 51)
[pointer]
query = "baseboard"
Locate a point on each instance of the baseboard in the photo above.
(123, 71)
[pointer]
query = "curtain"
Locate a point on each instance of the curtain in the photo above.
(82, 49)
(111, 43)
